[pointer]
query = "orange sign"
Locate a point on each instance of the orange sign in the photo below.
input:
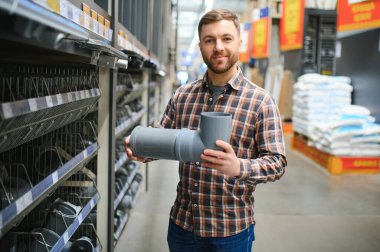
(291, 24)
(361, 163)
(261, 34)
(86, 9)
(356, 16)
(245, 32)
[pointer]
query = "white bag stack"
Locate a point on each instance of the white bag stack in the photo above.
(323, 112)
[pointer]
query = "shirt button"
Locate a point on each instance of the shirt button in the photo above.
(195, 184)
(197, 163)
(210, 99)
(195, 205)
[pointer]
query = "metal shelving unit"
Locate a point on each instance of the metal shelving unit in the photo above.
(318, 52)
(60, 244)
(49, 85)
(17, 209)
(63, 113)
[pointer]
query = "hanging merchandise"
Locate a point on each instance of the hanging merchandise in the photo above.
(292, 25)
(261, 33)
(357, 15)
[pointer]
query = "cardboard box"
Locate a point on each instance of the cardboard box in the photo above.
(285, 102)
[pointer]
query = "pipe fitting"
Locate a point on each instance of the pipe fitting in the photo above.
(182, 144)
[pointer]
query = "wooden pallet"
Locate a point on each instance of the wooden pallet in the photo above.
(287, 128)
(335, 164)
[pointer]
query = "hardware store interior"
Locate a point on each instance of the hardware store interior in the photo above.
(77, 77)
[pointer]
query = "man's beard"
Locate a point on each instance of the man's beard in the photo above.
(220, 70)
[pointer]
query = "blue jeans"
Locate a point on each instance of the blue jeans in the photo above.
(180, 240)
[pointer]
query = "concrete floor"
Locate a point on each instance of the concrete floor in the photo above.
(308, 210)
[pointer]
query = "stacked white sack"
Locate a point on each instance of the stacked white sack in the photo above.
(323, 112)
(353, 134)
(318, 99)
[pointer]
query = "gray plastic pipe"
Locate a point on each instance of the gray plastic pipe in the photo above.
(182, 144)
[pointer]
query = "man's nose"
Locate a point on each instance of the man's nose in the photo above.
(219, 45)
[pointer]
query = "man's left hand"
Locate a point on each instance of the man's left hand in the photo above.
(223, 161)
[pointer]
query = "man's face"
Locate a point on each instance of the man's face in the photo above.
(219, 44)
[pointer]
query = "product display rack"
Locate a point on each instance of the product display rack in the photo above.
(63, 115)
(318, 52)
(50, 89)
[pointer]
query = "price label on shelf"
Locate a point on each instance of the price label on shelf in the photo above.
(66, 236)
(55, 177)
(120, 38)
(86, 9)
(101, 25)
(110, 34)
(54, 5)
(49, 101)
(107, 26)
(24, 201)
(80, 218)
(63, 4)
(70, 97)
(86, 16)
(126, 42)
(92, 203)
(32, 105)
(77, 15)
(86, 21)
(94, 21)
(59, 99)
(70, 11)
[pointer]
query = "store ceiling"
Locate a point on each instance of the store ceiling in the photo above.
(189, 13)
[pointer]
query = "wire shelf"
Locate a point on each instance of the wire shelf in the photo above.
(122, 213)
(47, 162)
(36, 99)
(134, 87)
(79, 228)
(43, 16)
(126, 122)
(124, 179)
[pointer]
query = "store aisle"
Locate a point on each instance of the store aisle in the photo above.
(147, 227)
(307, 210)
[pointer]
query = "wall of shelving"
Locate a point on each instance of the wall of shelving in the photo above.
(71, 89)
(318, 52)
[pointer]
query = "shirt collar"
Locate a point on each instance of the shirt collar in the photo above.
(235, 82)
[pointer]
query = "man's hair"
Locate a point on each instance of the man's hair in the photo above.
(218, 15)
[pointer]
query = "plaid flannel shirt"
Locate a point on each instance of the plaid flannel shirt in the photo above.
(208, 202)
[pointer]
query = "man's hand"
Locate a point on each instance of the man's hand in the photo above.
(223, 161)
(129, 151)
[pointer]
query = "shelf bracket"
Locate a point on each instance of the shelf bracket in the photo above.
(95, 57)
(108, 61)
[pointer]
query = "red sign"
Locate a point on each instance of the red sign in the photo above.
(261, 34)
(356, 16)
(291, 24)
(361, 163)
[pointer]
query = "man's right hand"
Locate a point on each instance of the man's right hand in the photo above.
(129, 151)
